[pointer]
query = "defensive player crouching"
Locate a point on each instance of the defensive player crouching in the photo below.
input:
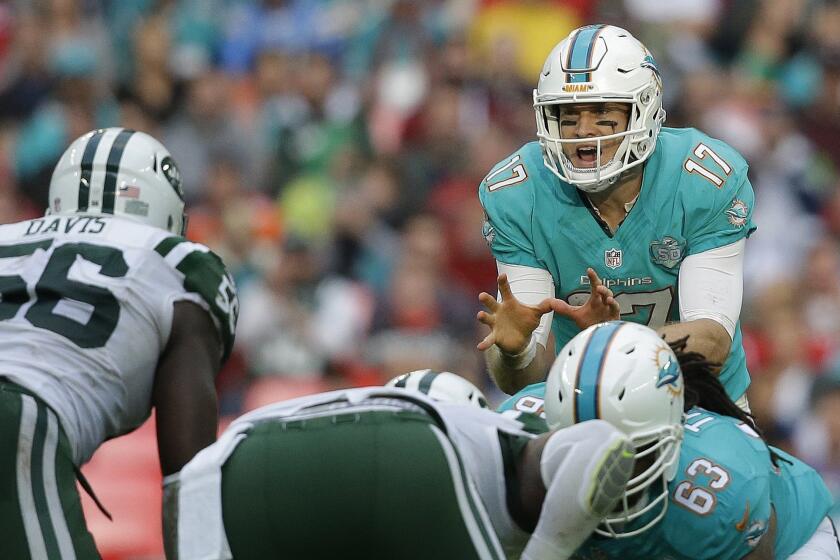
(415, 470)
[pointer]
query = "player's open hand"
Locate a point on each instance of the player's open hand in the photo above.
(601, 305)
(511, 322)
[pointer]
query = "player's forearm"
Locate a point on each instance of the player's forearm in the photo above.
(584, 470)
(508, 378)
(705, 336)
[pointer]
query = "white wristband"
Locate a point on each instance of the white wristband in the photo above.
(524, 358)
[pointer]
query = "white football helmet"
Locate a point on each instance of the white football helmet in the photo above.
(441, 386)
(599, 64)
(121, 172)
(626, 374)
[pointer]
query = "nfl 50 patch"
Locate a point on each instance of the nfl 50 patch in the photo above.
(667, 252)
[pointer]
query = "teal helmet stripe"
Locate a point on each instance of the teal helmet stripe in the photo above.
(589, 371)
(580, 54)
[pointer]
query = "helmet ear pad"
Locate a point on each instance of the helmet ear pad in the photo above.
(120, 172)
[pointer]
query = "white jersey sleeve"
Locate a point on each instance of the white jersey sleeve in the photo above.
(712, 285)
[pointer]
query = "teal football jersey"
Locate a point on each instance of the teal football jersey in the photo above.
(720, 500)
(695, 196)
(801, 499)
(530, 399)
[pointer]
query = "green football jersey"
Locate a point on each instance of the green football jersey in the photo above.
(695, 196)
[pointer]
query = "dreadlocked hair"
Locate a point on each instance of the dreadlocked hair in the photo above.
(704, 389)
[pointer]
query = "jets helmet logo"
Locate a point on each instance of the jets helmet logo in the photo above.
(173, 175)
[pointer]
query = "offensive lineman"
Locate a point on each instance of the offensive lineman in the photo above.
(705, 486)
(105, 312)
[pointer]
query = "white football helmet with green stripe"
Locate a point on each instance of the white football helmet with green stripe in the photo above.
(121, 172)
(441, 386)
(626, 374)
(599, 64)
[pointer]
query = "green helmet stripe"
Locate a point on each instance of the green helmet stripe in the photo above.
(87, 169)
(112, 170)
(426, 382)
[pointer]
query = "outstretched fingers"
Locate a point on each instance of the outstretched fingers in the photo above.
(601, 294)
(504, 287)
(560, 307)
(488, 301)
(594, 279)
(487, 342)
(486, 318)
(612, 305)
(545, 306)
(604, 299)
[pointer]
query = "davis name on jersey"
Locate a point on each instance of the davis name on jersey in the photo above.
(695, 196)
(86, 308)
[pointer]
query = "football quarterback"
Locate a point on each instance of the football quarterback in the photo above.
(610, 215)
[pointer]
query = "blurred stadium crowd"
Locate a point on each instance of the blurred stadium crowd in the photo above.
(331, 152)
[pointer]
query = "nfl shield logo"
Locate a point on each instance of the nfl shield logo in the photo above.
(612, 258)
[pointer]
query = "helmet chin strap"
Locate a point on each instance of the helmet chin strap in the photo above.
(614, 181)
(610, 183)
